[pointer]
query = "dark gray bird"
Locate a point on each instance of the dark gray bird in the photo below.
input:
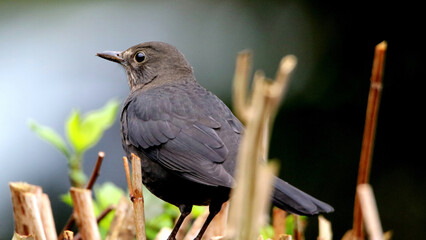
(186, 137)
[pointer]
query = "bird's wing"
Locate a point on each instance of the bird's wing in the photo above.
(180, 133)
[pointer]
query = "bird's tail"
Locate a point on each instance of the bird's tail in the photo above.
(293, 200)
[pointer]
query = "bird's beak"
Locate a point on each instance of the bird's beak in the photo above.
(114, 56)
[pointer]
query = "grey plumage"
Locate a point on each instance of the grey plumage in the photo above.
(186, 137)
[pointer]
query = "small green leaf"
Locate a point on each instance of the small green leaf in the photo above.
(107, 194)
(50, 136)
(66, 198)
(85, 132)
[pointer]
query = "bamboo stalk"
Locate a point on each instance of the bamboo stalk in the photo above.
(369, 132)
(369, 212)
(84, 213)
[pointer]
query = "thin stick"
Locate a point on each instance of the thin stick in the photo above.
(128, 178)
(89, 186)
(369, 131)
(138, 201)
(369, 211)
(84, 213)
(95, 172)
(104, 213)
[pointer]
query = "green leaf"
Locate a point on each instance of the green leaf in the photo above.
(66, 198)
(267, 232)
(107, 194)
(84, 132)
(50, 136)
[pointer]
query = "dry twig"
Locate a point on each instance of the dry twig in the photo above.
(369, 212)
(369, 132)
(122, 226)
(250, 197)
(89, 186)
(32, 211)
(84, 213)
(136, 194)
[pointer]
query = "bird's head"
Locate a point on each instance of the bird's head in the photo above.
(151, 63)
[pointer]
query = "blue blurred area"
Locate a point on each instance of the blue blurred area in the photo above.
(48, 67)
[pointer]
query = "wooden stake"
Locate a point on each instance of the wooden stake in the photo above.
(369, 132)
(84, 213)
(17, 236)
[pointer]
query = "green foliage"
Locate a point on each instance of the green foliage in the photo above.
(267, 232)
(51, 136)
(83, 132)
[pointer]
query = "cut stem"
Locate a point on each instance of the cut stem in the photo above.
(369, 132)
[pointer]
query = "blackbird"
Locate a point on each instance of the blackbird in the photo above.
(186, 137)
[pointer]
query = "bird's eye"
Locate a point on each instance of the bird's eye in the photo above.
(140, 57)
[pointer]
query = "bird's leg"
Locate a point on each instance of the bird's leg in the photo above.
(185, 210)
(214, 209)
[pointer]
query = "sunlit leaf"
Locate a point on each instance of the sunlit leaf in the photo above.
(51, 136)
(66, 198)
(85, 132)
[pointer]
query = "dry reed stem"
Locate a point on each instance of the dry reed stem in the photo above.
(96, 170)
(240, 84)
(278, 222)
(27, 200)
(122, 226)
(84, 213)
(370, 212)
(128, 176)
(17, 236)
(369, 132)
(91, 182)
(47, 218)
(138, 201)
(68, 235)
(250, 197)
(325, 232)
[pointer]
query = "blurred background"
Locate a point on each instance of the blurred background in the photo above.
(48, 67)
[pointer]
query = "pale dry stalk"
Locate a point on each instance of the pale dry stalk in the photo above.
(84, 213)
